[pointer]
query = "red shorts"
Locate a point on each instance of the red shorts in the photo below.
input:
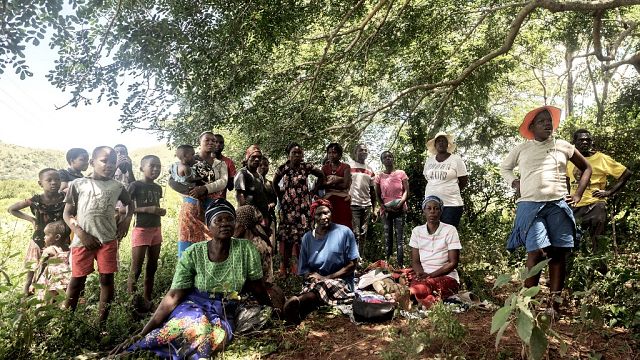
(146, 236)
(106, 256)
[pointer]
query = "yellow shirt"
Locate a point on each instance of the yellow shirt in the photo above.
(601, 166)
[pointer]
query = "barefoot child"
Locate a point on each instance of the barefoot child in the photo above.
(46, 208)
(53, 269)
(146, 237)
(78, 160)
(90, 213)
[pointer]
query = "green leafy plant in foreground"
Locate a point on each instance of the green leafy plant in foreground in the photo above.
(533, 328)
(440, 332)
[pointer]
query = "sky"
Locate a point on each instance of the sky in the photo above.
(28, 115)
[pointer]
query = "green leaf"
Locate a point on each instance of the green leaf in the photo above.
(524, 326)
(532, 291)
(502, 280)
(563, 345)
(538, 344)
(500, 332)
(500, 318)
(536, 269)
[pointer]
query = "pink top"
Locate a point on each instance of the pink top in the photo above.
(391, 185)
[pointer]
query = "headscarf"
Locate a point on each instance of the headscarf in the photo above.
(316, 204)
(251, 150)
(247, 216)
(217, 207)
(432, 198)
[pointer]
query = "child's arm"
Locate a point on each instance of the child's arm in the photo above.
(42, 265)
(89, 241)
(153, 210)
(15, 211)
(135, 209)
(64, 186)
(69, 215)
(125, 221)
(184, 170)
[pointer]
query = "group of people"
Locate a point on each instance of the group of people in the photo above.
(321, 229)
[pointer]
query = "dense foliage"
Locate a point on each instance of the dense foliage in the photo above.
(389, 72)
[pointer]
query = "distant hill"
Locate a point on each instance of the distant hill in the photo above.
(18, 162)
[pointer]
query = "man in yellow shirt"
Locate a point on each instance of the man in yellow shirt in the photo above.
(590, 212)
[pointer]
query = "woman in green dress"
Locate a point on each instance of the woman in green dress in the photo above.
(196, 317)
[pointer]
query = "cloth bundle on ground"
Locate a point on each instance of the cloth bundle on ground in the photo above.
(402, 286)
(387, 282)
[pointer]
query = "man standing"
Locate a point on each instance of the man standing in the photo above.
(591, 212)
(218, 147)
(363, 195)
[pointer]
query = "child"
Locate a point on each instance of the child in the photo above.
(46, 208)
(124, 165)
(89, 212)
(146, 237)
(78, 160)
(54, 275)
(183, 178)
(123, 174)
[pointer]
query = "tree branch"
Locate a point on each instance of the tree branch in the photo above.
(107, 31)
(367, 42)
(596, 34)
(330, 40)
(629, 26)
(633, 60)
(584, 5)
(363, 25)
(514, 29)
(496, 8)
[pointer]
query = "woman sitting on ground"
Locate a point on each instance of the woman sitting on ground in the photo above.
(196, 317)
(435, 249)
(328, 258)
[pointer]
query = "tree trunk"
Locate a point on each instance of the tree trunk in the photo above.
(568, 100)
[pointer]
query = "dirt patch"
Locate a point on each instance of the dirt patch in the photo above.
(331, 336)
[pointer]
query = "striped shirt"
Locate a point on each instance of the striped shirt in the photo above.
(361, 182)
(434, 248)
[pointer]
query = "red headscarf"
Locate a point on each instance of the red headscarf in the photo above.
(320, 202)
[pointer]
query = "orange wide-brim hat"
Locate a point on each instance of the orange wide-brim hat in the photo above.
(528, 119)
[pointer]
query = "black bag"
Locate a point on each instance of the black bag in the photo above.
(373, 311)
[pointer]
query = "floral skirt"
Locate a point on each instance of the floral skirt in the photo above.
(197, 328)
(191, 225)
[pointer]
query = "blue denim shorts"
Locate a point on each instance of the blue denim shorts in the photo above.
(542, 224)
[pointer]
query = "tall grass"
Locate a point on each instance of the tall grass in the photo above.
(30, 329)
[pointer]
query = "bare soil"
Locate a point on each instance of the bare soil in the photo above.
(332, 336)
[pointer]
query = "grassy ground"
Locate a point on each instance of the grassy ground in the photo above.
(48, 332)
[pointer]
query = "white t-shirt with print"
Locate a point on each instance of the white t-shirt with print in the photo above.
(434, 248)
(543, 169)
(442, 179)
